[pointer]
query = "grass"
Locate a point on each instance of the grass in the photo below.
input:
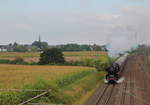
(148, 58)
(15, 76)
(83, 99)
(86, 96)
(81, 88)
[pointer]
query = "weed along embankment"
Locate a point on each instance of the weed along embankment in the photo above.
(67, 83)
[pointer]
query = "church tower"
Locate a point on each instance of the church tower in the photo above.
(39, 39)
(40, 43)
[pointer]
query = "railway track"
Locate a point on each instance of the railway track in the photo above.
(105, 95)
(102, 96)
(135, 90)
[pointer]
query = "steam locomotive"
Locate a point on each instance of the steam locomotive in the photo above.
(114, 71)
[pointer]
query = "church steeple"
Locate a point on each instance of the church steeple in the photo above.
(39, 38)
(40, 43)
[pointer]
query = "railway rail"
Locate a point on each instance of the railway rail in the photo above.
(105, 96)
(135, 90)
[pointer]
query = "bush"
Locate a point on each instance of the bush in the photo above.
(52, 56)
(101, 65)
(17, 60)
(14, 98)
(39, 84)
(20, 48)
(88, 62)
(3, 61)
(74, 63)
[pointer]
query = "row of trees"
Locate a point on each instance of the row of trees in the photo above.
(77, 47)
(142, 49)
(34, 47)
(41, 46)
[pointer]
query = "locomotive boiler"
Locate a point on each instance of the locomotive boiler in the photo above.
(115, 70)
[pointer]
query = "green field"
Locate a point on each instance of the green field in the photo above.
(36, 54)
(68, 83)
(65, 81)
(16, 76)
(69, 56)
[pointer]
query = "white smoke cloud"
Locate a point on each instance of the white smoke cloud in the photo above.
(130, 29)
(121, 40)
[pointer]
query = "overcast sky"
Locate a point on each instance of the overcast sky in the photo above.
(73, 21)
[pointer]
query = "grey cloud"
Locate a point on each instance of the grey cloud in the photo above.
(79, 28)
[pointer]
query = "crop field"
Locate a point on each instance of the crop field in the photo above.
(69, 56)
(64, 80)
(15, 76)
(68, 79)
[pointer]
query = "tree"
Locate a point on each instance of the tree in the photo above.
(96, 48)
(40, 45)
(20, 48)
(34, 49)
(70, 47)
(15, 44)
(85, 47)
(44, 45)
(52, 55)
(37, 44)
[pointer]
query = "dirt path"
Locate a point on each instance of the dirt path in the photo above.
(135, 90)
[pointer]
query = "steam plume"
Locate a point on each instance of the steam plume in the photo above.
(121, 40)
